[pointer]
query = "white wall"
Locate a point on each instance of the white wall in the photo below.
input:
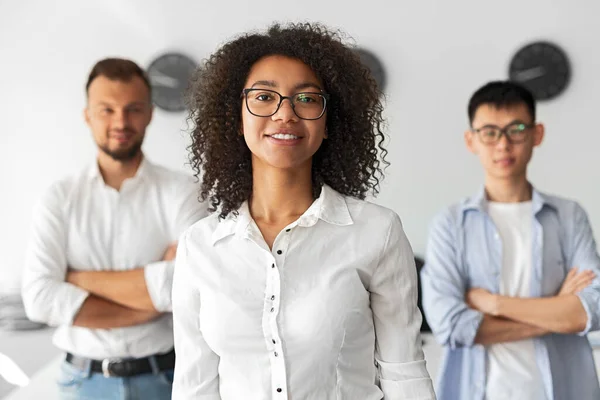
(437, 53)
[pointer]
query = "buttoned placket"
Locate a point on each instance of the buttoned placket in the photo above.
(113, 198)
(271, 309)
(120, 218)
(119, 209)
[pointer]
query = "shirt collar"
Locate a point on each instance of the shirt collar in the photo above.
(479, 201)
(143, 171)
(329, 207)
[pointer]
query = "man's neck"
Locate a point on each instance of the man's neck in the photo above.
(508, 190)
(280, 195)
(115, 172)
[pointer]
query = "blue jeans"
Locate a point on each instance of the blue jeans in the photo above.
(77, 384)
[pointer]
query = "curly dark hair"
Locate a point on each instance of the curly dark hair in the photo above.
(349, 160)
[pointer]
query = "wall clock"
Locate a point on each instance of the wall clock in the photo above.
(169, 75)
(543, 68)
(374, 64)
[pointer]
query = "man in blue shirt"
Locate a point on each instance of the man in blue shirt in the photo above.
(509, 284)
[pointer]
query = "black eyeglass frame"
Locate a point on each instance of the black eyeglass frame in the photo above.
(504, 131)
(324, 95)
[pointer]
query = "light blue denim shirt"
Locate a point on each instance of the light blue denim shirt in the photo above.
(465, 251)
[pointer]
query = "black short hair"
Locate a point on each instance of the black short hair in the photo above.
(501, 94)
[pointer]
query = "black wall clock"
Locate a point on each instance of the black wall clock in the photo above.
(543, 68)
(169, 76)
(372, 62)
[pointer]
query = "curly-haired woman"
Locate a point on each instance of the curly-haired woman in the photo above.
(295, 287)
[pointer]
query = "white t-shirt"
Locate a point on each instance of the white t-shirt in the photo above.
(513, 373)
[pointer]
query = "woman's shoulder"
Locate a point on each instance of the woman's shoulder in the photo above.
(201, 231)
(360, 210)
(377, 223)
(368, 212)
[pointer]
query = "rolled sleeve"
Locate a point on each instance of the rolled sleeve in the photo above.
(46, 295)
(67, 310)
(453, 323)
(590, 300)
(585, 256)
(51, 302)
(159, 281)
(468, 323)
(397, 320)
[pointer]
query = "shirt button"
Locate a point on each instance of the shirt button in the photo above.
(272, 309)
(287, 230)
(278, 390)
(272, 297)
(275, 354)
(279, 251)
(273, 341)
(273, 266)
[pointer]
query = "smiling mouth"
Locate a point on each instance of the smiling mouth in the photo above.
(284, 136)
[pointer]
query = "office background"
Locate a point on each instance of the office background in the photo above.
(435, 52)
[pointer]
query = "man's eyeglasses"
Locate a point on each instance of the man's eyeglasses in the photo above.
(265, 103)
(515, 133)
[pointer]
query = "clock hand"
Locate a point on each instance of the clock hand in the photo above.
(164, 80)
(529, 74)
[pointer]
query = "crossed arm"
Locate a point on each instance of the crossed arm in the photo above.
(510, 319)
(99, 313)
(117, 298)
(462, 316)
(57, 296)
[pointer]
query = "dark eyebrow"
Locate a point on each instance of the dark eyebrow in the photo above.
(264, 83)
(300, 86)
(306, 85)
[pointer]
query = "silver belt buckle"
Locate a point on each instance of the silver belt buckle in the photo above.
(106, 366)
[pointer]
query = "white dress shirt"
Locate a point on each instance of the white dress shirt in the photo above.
(329, 313)
(83, 224)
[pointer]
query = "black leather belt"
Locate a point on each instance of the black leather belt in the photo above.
(124, 367)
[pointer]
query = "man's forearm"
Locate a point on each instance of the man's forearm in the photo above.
(99, 313)
(494, 330)
(560, 314)
(127, 288)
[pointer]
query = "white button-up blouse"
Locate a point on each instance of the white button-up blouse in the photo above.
(330, 312)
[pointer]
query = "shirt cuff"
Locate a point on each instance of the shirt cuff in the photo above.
(409, 380)
(76, 296)
(591, 310)
(159, 281)
(466, 329)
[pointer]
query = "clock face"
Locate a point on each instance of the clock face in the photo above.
(169, 76)
(541, 67)
(372, 62)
